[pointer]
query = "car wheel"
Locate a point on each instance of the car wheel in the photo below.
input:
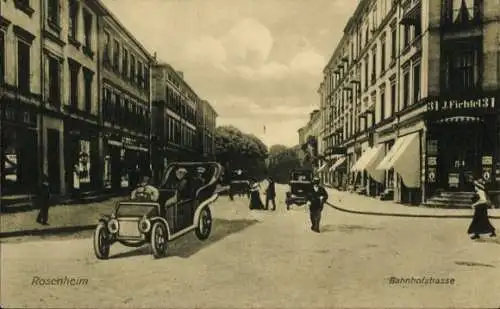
(159, 239)
(204, 224)
(101, 241)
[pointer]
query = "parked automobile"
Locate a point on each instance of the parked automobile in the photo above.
(134, 223)
(239, 184)
(300, 185)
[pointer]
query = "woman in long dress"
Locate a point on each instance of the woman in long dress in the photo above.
(255, 201)
(480, 223)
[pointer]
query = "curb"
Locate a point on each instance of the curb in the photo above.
(388, 214)
(48, 231)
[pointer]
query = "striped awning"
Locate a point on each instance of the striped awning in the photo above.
(460, 119)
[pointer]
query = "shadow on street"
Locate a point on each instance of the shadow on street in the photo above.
(346, 228)
(187, 245)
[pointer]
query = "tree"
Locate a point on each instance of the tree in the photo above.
(282, 160)
(235, 149)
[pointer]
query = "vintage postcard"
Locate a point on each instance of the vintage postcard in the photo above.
(249, 154)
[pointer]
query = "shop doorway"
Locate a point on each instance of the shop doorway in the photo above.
(53, 160)
(460, 151)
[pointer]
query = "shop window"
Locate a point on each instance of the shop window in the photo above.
(23, 67)
(84, 161)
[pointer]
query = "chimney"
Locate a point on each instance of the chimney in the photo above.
(181, 74)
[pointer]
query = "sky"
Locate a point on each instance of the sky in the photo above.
(258, 62)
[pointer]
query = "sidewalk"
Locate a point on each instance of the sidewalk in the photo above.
(62, 218)
(360, 204)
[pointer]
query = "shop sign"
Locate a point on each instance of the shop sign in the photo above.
(431, 175)
(446, 105)
(432, 147)
(453, 180)
(431, 161)
(487, 160)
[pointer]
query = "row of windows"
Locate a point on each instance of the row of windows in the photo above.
(125, 62)
(73, 22)
(179, 105)
(179, 133)
(125, 111)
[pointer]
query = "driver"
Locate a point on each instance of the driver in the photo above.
(145, 191)
(181, 186)
(198, 180)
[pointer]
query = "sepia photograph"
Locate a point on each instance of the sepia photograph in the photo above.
(249, 154)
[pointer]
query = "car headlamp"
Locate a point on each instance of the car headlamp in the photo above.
(144, 225)
(113, 226)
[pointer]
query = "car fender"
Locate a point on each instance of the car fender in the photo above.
(204, 204)
(154, 219)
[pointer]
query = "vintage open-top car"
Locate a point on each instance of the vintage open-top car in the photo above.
(300, 185)
(239, 184)
(136, 222)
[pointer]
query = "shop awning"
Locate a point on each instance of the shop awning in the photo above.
(371, 163)
(404, 157)
(361, 162)
(337, 164)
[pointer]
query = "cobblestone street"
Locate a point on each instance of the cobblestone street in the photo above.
(268, 259)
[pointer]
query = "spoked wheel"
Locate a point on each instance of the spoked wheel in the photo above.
(101, 241)
(204, 224)
(159, 239)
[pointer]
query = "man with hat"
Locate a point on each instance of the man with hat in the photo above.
(145, 191)
(315, 200)
(198, 180)
(43, 201)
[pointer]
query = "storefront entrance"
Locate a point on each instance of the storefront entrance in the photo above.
(461, 146)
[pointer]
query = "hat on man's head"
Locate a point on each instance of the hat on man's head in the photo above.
(479, 184)
(200, 169)
(315, 179)
(181, 171)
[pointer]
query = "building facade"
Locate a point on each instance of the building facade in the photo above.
(207, 122)
(408, 83)
(174, 121)
(126, 104)
(20, 95)
(309, 136)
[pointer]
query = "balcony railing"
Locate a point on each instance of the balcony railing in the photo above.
(412, 12)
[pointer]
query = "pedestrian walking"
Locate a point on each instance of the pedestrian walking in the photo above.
(315, 200)
(255, 201)
(270, 193)
(42, 201)
(480, 222)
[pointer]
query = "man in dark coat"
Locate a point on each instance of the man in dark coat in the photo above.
(43, 200)
(270, 193)
(315, 200)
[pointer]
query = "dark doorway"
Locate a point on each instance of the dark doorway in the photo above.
(53, 160)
